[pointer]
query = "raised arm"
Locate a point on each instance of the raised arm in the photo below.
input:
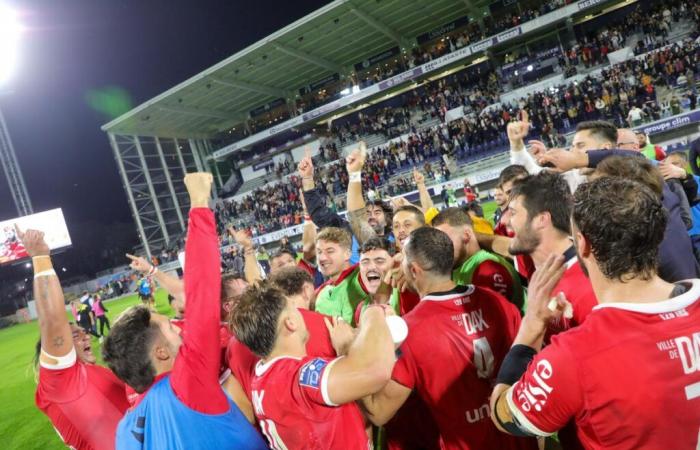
(252, 271)
(425, 201)
(357, 209)
(368, 364)
(56, 335)
(517, 131)
(315, 200)
(308, 237)
(195, 377)
(541, 309)
(172, 284)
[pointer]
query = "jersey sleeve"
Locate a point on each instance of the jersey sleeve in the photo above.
(494, 276)
(312, 380)
(63, 382)
(549, 394)
(405, 370)
(241, 361)
(195, 375)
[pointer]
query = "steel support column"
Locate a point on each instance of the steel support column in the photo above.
(13, 173)
(130, 194)
(169, 181)
(151, 190)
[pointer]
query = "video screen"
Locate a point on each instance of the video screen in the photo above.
(51, 222)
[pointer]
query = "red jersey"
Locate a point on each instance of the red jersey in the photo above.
(629, 376)
(84, 402)
(455, 345)
(407, 301)
(578, 291)
(294, 410)
(242, 361)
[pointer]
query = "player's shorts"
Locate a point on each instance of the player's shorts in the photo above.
(145, 297)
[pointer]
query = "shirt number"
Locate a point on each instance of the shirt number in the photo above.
(483, 358)
(270, 431)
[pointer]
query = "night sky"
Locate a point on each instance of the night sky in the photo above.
(70, 48)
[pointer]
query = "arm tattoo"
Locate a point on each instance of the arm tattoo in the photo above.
(57, 341)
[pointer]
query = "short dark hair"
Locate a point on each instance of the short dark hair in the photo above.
(512, 172)
(291, 280)
(454, 217)
(600, 129)
(386, 207)
(127, 348)
(431, 249)
(624, 221)
(546, 192)
(282, 251)
(375, 243)
(635, 167)
(412, 209)
(254, 319)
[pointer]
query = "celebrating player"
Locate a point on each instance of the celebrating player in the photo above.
(181, 403)
(458, 336)
(474, 265)
(304, 401)
(72, 389)
(634, 360)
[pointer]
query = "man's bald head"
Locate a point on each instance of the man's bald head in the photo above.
(627, 140)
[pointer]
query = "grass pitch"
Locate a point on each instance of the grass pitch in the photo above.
(22, 425)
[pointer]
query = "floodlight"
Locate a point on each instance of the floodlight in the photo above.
(10, 30)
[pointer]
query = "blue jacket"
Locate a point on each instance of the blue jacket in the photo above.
(161, 421)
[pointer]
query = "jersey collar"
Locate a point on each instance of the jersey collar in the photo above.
(662, 306)
(458, 291)
(570, 257)
(261, 368)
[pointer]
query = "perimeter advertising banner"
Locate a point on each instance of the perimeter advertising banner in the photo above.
(51, 222)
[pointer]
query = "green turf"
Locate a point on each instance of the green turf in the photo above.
(22, 425)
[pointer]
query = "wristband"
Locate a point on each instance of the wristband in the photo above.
(42, 263)
(515, 364)
(44, 273)
(355, 177)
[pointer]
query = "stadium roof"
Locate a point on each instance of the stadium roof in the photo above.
(329, 40)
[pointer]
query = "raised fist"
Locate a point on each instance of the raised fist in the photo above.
(199, 187)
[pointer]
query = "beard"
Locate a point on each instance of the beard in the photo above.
(525, 242)
(377, 227)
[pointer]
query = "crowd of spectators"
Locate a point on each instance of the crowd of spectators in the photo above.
(625, 93)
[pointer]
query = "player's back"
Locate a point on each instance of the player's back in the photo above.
(638, 367)
(293, 409)
(456, 342)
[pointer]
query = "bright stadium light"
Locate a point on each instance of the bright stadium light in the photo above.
(10, 30)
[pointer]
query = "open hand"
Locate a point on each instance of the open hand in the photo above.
(342, 334)
(539, 292)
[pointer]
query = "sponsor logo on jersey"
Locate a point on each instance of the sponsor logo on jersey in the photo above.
(534, 395)
(480, 413)
(310, 375)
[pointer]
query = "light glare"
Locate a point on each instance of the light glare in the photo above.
(10, 30)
